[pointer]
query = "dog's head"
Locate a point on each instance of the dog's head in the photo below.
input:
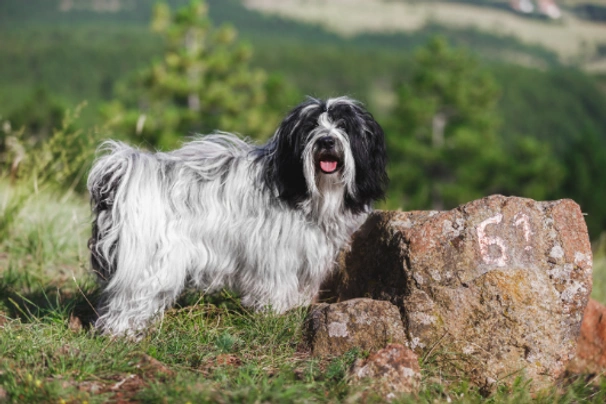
(329, 146)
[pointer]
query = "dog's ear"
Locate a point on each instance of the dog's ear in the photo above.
(286, 162)
(367, 142)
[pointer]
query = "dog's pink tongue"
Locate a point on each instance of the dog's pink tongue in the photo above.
(328, 166)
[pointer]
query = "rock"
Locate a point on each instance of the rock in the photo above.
(496, 287)
(591, 347)
(391, 371)
(74, 324)
(151, 367)
(333, 329)
(227, 360)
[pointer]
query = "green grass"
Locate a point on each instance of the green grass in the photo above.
(207, 349)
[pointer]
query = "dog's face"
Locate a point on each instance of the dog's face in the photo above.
(332, 145)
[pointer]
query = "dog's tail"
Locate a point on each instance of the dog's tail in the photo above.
(107, 184)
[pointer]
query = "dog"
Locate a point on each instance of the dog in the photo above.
(264, 221)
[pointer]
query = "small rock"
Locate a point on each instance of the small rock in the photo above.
(152, 367)
(89, 387)
(75, 324)
(591, 346)
(392, 371)
(333, 329)
(227, 360)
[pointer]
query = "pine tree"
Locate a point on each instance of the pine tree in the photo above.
(444, 142)
(203, 83)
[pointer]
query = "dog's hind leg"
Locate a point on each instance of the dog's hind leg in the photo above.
(133, 300)
(141, 257)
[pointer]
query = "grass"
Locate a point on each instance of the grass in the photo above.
(207, 349)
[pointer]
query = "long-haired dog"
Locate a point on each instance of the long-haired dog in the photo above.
(264, 221)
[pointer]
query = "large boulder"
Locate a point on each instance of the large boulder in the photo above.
(496, 287)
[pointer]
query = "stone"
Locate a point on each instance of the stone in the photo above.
(227, 360)
(497, 287)
(333, 329)
(391, 371)
(152, 367)
(591, 347)
(74, 324)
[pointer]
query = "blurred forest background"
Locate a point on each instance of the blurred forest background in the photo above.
(475, 97)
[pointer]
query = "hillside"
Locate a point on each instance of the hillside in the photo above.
(487, 26)
(576, 41)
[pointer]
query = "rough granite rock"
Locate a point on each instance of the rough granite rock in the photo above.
(497, 286)
(393, 370)
(333, 329)
(591, 348)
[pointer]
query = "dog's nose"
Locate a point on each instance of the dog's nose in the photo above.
(326, 142)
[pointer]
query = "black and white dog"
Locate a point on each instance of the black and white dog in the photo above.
(265, 221)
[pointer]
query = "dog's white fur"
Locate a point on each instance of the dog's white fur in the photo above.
(207, 216)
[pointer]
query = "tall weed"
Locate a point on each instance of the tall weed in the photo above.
(12, 201)
(60, 160)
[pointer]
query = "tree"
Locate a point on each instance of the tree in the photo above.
(444, 141)
(585, 181)
(203, 83)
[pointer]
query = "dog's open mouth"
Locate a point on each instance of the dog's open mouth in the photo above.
(328, 165)
(328, 155)
(328, 162)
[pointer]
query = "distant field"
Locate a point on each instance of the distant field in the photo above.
(575, 41)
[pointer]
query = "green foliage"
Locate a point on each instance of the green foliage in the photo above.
(529, 168)
(564, 109)
(445, 115)
(444, 141)
(60, 159)
(38, 115)
(559, 106)
(585, 161)
(10, 206)
(203, 83)
(69, 64)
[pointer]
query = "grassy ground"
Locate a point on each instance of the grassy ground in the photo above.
(205, 350)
